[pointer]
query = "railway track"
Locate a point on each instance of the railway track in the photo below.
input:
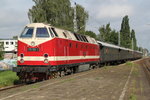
(146, 69)
(11, 87)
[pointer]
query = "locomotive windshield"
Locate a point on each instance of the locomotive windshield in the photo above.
(42, 32)
(27, 32)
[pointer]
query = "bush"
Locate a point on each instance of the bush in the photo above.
(1, 55)
(7, 78)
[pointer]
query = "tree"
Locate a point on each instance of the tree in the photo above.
(134, 39)
(1, 50)
(15, 37)
(140, 49)
(82, 17)
(58, 13)
(91, 34)
(105, 32)
(108, 35)
(114, 37)
(125, 35)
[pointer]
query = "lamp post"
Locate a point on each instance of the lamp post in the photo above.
(75, 18)
(118, 38)
(132, 44)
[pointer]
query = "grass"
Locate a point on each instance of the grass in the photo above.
(67, 80)
(33, 86)
(97, 78)
(7, 78)
(107, 67)
(133, 90)
(133, 97)
(135, 72)
(129, 63)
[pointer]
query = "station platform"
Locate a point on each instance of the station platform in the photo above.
(123, 82)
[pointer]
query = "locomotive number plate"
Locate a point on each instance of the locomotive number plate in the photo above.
(33, 49)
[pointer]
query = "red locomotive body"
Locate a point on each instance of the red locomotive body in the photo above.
(44, 50)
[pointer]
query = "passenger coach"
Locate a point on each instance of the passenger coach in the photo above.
(111, 54)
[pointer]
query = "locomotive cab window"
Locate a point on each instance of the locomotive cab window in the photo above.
(42, 32)
(27, 32)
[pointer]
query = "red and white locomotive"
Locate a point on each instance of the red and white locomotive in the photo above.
(44, 50)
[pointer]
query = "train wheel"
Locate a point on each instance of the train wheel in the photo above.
(61, 73)
(75, 69)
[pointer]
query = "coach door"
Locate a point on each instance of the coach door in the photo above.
(66, 51)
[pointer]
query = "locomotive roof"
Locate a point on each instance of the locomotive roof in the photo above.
(66, 34)
(37, 25)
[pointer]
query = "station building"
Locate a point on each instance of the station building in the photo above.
(9, 47)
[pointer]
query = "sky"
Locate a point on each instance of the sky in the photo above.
(14, 17)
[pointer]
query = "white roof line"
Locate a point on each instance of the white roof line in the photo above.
(115, 46)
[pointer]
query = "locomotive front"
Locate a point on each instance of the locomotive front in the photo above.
(34, 48)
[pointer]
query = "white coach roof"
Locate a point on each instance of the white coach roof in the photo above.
(113, 46)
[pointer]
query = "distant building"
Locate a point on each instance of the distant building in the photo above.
(145, 52)
(8, 45)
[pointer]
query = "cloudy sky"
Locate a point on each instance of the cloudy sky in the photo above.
(14, 17)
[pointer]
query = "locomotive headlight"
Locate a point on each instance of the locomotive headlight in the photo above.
(32, 43)
(21, 61)
(46, 61)
(21, 55)
(46, 55)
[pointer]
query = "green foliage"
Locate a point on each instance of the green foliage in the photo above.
(140, 49)
(125, 33)
(58, 13)
(1, 55)
(108, 35)
(82, 17)
(133, 97)
(134, 40)
(91, 34)
(111, 36)
(105, 33)
(7, 78)
(1, 50)
(15, 37)
(129, 63)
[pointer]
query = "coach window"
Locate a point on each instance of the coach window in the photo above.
(70, 45)
(12, 43)
(7, 43)
(76, 45)
(27, 32)
(42, 32)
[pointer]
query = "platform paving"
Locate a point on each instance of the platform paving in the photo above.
(124, 82)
